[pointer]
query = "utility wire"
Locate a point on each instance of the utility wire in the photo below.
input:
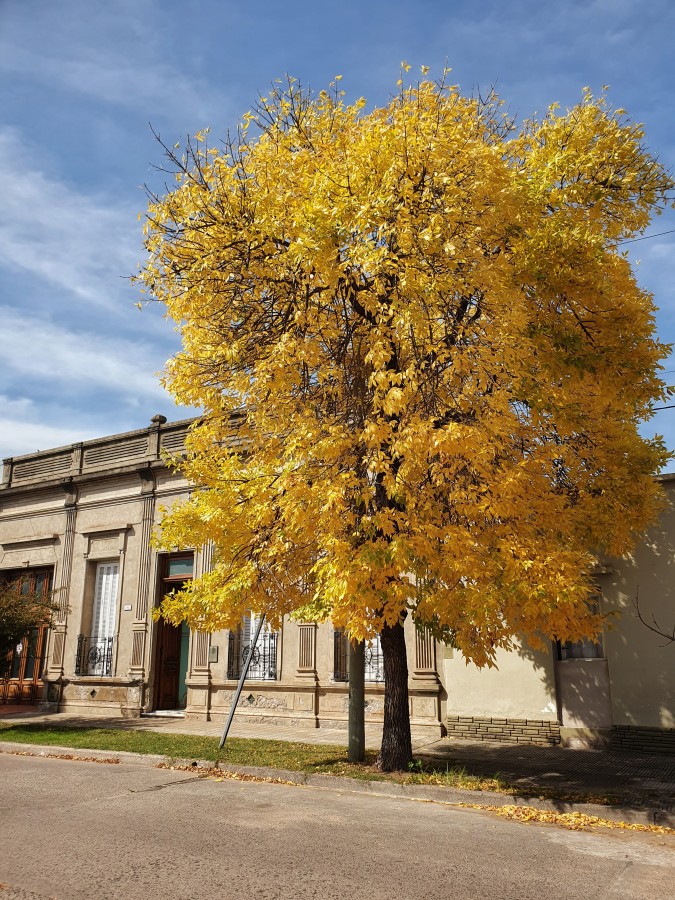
(647, 237)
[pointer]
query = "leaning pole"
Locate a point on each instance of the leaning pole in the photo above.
(242, 678)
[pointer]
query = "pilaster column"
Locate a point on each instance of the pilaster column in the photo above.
(55, 669)
(307, 650)
(425, 685)
(425, 657)
(201, 640)
(140, 624)
(199, 679)
(306, 678)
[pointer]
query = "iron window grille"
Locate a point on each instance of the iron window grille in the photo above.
(94, 656)
(373, 662)
(340, 656)
(263, 662)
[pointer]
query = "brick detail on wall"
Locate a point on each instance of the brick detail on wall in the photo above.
(515, 731)
(643, 740)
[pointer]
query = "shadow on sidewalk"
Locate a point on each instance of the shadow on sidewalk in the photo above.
(624, 777)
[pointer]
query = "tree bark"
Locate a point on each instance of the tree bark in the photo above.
(396, 751)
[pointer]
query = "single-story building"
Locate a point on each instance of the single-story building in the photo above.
(78, 519)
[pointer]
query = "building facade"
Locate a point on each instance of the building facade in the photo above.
(78, 520)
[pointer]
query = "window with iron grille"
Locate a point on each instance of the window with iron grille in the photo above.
(263, 666)
(340, 655)
(373, 660)
(95, 650)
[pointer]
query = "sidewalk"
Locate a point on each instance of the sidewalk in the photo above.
(635, 780)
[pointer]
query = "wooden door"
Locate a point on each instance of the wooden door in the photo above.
(168, 666)
(21, 671)
(171, 656)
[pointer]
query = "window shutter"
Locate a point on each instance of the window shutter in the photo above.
(246, 631)
(105, 601)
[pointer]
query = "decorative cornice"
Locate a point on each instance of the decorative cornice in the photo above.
(31, 542)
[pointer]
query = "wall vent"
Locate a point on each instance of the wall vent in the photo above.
(41, 467)
(115, 453)
(174, 441)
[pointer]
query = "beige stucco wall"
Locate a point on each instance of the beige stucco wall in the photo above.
(584, 693)
(641, 663)
(520, 687)
(26, 515)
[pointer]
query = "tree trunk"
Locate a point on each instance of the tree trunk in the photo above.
(396, 751)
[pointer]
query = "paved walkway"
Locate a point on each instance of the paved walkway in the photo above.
(630, 777)
(179, 725)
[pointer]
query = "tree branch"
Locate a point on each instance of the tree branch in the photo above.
(654, 626)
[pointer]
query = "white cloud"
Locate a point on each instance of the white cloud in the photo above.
(18, 436)
(78, 360)
(16, 406)
(76, 242)
(22, 432)
(104, 75)
(662, 250)
(109, 52)
(74, 343)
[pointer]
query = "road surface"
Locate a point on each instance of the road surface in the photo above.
(72, 830)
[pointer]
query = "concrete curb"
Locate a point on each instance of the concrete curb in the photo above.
(634, 815)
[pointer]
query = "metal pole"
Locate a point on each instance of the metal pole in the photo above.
(357, 702)
(242, 678)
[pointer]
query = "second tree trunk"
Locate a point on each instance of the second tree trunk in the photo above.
(396, 751)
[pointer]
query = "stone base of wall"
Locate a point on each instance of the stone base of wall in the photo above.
(420, 729)
(98, 710)
(100, 696)
(289, 720)
(634, 739)
(585, 738)
(515, 731)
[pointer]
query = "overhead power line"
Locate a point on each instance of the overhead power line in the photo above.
(647, 237)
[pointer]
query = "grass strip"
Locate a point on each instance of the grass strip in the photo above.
(296, 757)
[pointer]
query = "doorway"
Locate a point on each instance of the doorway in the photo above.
(173, 641)
(172, 662)
(21, 670)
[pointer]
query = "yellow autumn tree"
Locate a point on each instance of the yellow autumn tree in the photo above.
(422, 357)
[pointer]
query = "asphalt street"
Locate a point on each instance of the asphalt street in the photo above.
(72, 830)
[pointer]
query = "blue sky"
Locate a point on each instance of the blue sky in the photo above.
(81, 80)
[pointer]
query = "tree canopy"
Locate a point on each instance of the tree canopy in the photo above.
(20, 612)
(422, 357)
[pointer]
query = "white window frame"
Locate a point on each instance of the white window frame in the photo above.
(104, 610)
